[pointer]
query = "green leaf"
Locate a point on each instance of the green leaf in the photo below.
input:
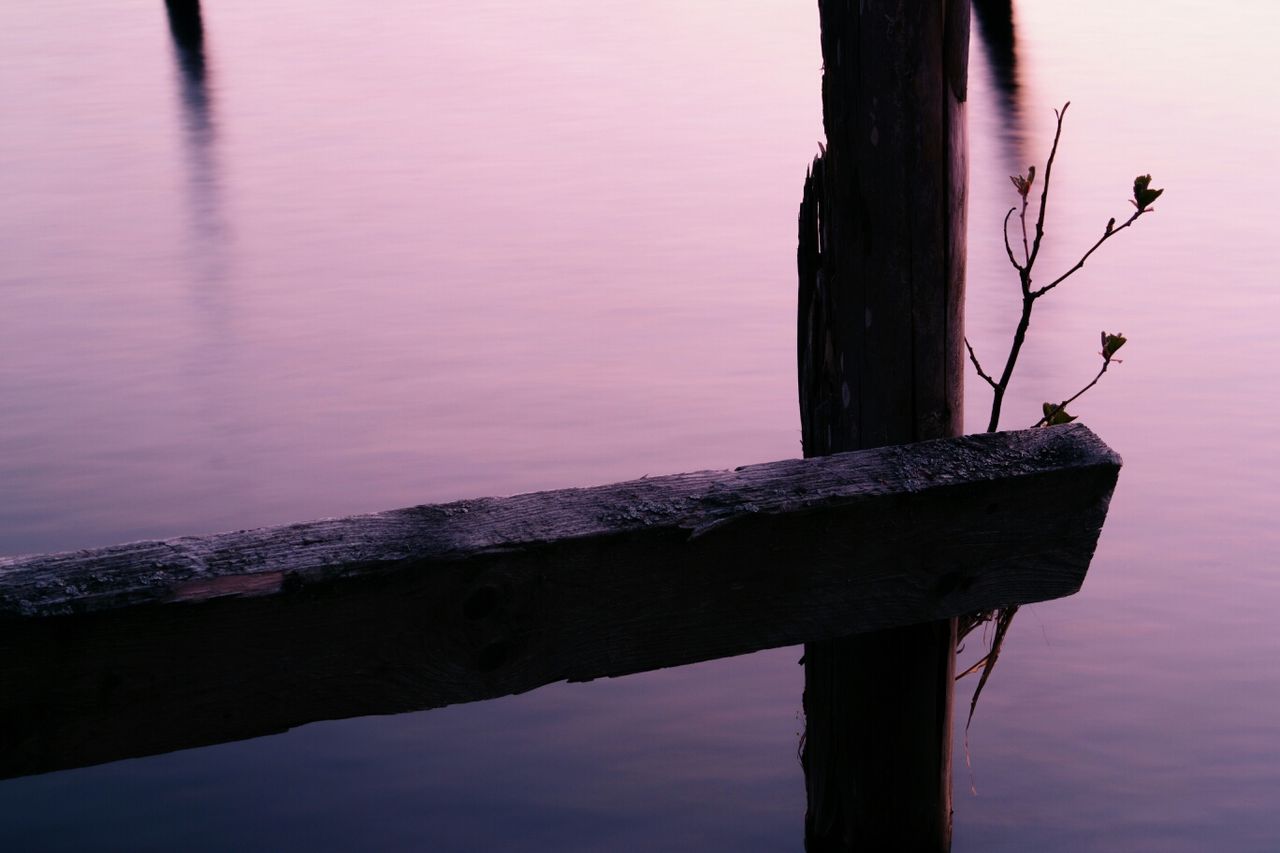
(1056, 413)
(1143, 195)
(1022, 183)
(1111, 344)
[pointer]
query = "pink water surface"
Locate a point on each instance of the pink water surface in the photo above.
(384, 254)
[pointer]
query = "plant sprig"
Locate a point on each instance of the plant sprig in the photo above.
(1056, 413)
(1053, 413)
(1143, 197)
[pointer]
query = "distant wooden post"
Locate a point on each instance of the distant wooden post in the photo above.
(881, 263)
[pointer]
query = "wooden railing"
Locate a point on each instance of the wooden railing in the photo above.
(154, 646)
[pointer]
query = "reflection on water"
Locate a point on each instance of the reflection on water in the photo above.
(206, 269)
(994, 20)
(556, 248)
(187, 28)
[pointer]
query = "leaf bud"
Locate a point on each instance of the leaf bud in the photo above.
(1111, 344)
(1143, 195)
(1056, 413)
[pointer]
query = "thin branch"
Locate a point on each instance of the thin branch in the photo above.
(1003, 620)
(1026, 253)
(967, 623)
(977, 665)
(1044, 193)
(1036, 294)
(973, 356)
(1009, 249)
(1143, 196)
(1019, 338)
(1106, 362)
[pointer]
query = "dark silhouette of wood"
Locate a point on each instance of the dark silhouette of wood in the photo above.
(187, 28)
(881, 263)
(995, 27)
(195, 90)
(155, 646)
(997, 33)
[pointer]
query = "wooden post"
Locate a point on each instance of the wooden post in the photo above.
(881, 263)
(153, 646)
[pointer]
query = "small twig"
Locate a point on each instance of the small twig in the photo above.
(1026, 253)
(1049, 415)
(1044, 193)
(1004, 619)
(1019, 338)
(1023, 183)
(1009, 249)
(979, 664)
(973, 356)
(1144, 196)
(1107, 235)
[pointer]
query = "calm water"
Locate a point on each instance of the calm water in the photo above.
(358, 256)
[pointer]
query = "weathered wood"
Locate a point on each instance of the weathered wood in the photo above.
(881, 264)
(155, 646)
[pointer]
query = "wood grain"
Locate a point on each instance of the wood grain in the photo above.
(881, 263)
(154, 646)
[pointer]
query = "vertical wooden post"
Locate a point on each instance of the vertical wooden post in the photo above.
(881, 263)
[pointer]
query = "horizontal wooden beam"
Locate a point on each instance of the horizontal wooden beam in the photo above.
(154, 646)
